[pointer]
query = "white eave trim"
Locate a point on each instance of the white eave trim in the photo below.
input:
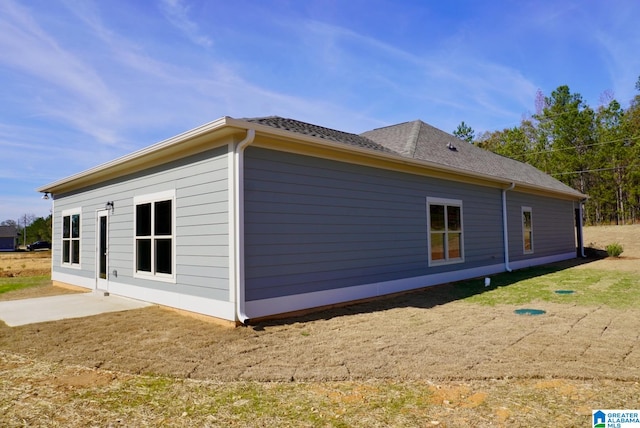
(348, 148)
(240, 124)
(139, 154)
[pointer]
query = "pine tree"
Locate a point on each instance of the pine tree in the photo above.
(464, 132)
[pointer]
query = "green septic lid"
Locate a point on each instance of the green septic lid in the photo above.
(529, 311)
(564, 291)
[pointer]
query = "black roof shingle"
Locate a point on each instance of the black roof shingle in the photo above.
(8, 232)
(320, 132)
(421, 141)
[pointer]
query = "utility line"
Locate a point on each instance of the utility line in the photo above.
(589, 170)
(587, 145)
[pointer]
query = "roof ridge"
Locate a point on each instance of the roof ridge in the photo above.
(414, 135)
(393, 126)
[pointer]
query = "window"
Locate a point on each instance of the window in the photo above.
(71, 238)
(154, 225)
(446, 243)
(527, 230)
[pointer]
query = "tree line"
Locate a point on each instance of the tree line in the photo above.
(31, 228)
(595, 151)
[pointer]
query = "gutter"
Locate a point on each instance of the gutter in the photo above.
(570, 194)
(505, 232)
(581, 226)
(238, 221)
(123, 165)
(225, 126)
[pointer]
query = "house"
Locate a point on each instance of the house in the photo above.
(8, 238)
(242, 219)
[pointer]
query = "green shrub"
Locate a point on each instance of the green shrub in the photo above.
(614, 250)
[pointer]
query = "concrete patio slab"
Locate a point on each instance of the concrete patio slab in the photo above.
(42, 309)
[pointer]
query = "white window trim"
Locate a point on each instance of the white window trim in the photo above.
(530, 211)
(151, 198)
(68, 213)
(449, 202)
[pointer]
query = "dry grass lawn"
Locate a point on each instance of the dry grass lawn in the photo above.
(20, 264)
(629, 236)
(421, 359)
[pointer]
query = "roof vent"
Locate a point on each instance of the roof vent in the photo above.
(451, 147)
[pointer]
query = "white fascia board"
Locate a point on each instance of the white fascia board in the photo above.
(398, 159)
(227, 121)
(139, 154)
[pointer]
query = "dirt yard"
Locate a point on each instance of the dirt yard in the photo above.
(601, 236)
(423, 336)
(17, 264)
(414, 336)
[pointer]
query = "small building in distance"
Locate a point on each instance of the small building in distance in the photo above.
(8, 238)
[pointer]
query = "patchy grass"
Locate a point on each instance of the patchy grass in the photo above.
(25, 264)
(47, 394)
(44, 381)
(19, 283)
(43, 394)
(127, 400)
(620, 290)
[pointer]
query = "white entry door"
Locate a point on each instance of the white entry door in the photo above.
(102, 249)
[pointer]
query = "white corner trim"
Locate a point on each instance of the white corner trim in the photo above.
(232, 221)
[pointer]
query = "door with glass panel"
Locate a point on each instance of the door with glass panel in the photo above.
(102, 248)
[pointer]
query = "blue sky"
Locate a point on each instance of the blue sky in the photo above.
(84, 82)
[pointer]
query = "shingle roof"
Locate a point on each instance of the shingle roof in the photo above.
(424, 144)
(8, 232)
(419, 140)
(320, 132)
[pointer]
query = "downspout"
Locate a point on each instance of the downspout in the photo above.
(238, 196)
(580, 225)
(505, 232)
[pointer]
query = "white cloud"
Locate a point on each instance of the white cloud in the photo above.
(33, 155)
(28, 48)
(436, 78)
(177, 13)
(619, 54)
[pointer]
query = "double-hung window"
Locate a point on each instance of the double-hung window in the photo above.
(527, 230)
(71, 238)
(446, 239)
(154, 236)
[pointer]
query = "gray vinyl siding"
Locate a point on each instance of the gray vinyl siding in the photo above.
(87, 226)
(201, 233)
(553, 226)
(313, 224)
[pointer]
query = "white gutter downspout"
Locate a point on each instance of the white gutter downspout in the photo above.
(580, 225)
(505, 232)
(238, 235)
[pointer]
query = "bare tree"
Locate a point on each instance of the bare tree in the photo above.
(9, 223)
(24, 221)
